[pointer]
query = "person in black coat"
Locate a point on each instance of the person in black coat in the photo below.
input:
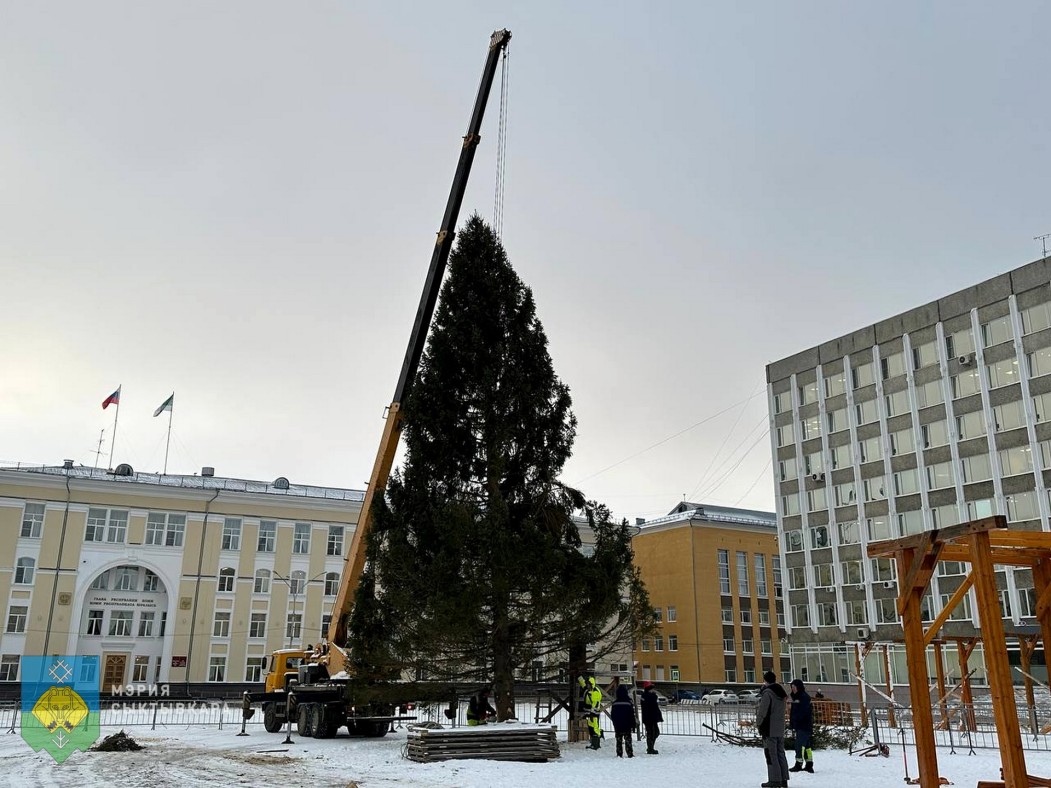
(801, 718)
(622, 712)
(651, 716)
(479, 712)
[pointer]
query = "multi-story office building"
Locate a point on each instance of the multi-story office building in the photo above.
(714, 578)
(169, 579)
(939, 415)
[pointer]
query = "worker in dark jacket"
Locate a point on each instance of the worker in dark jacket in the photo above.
(651, 716)
(479, 712)
(801, 718)
(622, 712)
(770, 720)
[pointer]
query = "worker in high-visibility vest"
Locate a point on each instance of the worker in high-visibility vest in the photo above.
(592, 699)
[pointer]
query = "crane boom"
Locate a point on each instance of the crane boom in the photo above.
(354, 563)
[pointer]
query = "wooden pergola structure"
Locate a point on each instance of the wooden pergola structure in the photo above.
(981, 544)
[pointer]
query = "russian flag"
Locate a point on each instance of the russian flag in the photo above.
(112, 399)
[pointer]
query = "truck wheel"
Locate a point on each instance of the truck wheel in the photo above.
(374, 729)
(325, 726)
(271, 722)
(315, 719)
(303, 721)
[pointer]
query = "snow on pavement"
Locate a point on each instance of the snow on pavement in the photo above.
(198, 757)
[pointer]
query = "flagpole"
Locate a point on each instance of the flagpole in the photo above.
(113, 440)
(171, 412)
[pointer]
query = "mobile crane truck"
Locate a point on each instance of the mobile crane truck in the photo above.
(318, 691)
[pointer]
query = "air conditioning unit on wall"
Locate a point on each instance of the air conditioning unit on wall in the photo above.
(817, 477)
(966, 360)
(864, 633)
(889, 584)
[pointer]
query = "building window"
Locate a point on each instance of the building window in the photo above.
(856, 615)
(959, 344)
(257, 626)
(293, 625)
(929, 394)
(765, 648)
(1036, 318)
(892, 365)
(886, 611)
(94, 622)
(816, 500)
(849, 533)
(800, 616)
(851, 572)
(24, 571)
(787, 469)
(797, 577)
(746, 646)
(724, 571)
(231, 533)
(165, 529)
(844, 494)
(645, 644)
(1022, 506)
(658, 643)
(127, 579)
(760, 574)
(9, 667)
(971, 425)
(658, 615)
(837, 420)
(106, 526)
(217, 669)
(939, 476)
(764, 618)
(1004, 373)
(297, 582)
(935, 434)
(731, 675)
(746, 616)
(879, 528)
(1045, 455)
(826, 614)
(673, 642)
(775, 564)
(997, 331)
(976, 469)
(226, 580)
(910, 522)
(1011, 415)
(335, 540)
(267, 536)
(811, 427)
(808, 393)
(897, 403)
(874, 488)
(783, 402)
(942, 516)
(883, 570)
(332, 584)
(742, 574)
(140, 671)
(823, 575)
(925, 355)
(981, 508)
(819, 537)
(842, 456)
(862, 375)
(146, 624)
(120, 623)
(793, 540)
(32, 520)
(262, 582)
(672, 615)
(254, 669)
(727, 615)
(866, 412)
(966, 383)
(1016, 461)
(728, 646)
(301, 539)
(785, 435)
(221, 625)
(835, 384)
(150, 581)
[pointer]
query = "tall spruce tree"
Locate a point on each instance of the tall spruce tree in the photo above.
(474, 561)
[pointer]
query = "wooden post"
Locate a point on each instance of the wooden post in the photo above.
(963, 651)
(1041, 583)
(1012, 756)
(1026, 645)
(892, 720)
(859, 672)
(919, 678)
(939, 668)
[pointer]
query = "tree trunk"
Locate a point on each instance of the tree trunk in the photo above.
(578, 666)
(503, 669)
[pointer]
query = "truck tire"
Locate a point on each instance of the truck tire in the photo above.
(324, 725)
(373, 729)
(271, 722)
(303, 720)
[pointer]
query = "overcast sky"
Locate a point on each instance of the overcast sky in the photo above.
(237, 202)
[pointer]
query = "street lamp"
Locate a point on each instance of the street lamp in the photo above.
(293, 589)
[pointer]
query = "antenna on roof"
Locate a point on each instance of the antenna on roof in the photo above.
(1043, 242)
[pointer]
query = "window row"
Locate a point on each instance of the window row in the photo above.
(743, 586)
(658, 643)
(125, 623)
(746, 617)
(296, 581)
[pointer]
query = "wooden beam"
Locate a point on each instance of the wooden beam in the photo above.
(939, 673)
(964, 647)
(1001, 686)
(889, 547)
(919, 680)
(921, 567)
(1001, 556)
(954, 600)
(1013, 538)
(1041, 582)
(859, 672)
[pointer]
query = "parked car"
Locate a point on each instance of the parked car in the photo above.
(662, 699)
(719, 696)
(686, 695)
(748, 696)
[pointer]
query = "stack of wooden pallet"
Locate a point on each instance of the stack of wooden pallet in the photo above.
(508, 741)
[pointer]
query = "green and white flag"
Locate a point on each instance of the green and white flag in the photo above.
(168, 404)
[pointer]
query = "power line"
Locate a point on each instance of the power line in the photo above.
(665, 440)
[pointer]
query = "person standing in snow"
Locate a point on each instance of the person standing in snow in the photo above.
(770, 720)
(478, 709)
(592, 699)
(801, 718)
(651, 716)
(622, 712)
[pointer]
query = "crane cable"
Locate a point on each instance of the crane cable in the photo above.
(501, 146)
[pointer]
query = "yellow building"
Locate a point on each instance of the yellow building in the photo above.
(714, 578)
(169, 579)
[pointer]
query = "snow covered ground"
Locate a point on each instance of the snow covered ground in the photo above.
(203, 756)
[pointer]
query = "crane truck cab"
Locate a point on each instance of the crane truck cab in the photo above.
(284, 668)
